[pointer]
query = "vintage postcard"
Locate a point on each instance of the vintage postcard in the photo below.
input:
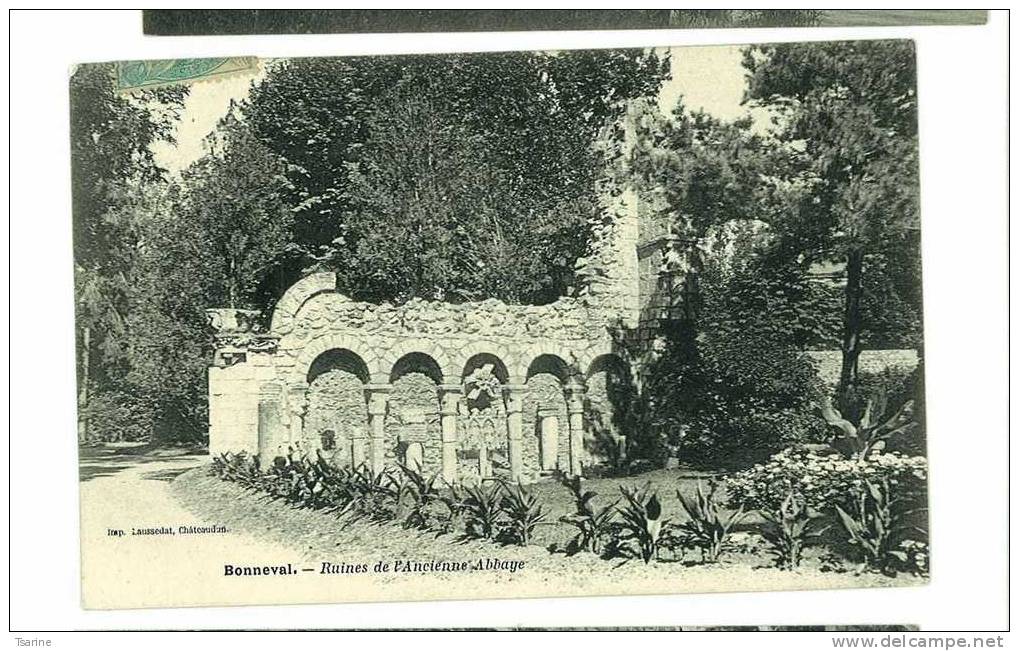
(179, 22)
(521, 324)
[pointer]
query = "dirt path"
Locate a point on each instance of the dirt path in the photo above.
(128, 490)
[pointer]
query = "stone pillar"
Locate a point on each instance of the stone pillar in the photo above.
(549, 429)
(358, 447)
(575, 407)
(377, 398)
(415, 456)
(270, 423)
(297, 405)
(450, 409)
(515, 429)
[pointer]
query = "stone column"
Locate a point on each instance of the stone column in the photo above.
(297, 405)
(515, 429)
(358, 447)
(449, 411)
(575, 407)
(270, 423)
(549, 428)
(377, 398)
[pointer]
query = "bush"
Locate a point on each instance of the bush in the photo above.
(823, 481)
(706, 527)
(787, 530)
(876, 529)
(117, 415)
(482, 510)
(523, 513)
(593, 524)
(640, 526)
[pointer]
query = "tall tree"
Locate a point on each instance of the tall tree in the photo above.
(526, 121)
(218, 243)
(852, 107)
(111, 165)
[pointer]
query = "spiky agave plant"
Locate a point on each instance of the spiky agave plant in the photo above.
(523, 512)
(593, 524)
(640, 521)
(707, 527)
(788, 529)
(876, 527)
(375, 494)
(420, 492)
(482, 509)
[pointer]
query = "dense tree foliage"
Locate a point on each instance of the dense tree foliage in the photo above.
(110, 163)
(852, 105)
(810, 239)
(460, 176)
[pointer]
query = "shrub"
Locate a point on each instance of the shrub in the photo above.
(482, 509)
(875, 530)
(374, 495)
(823, 480)
(118, 415)
(421, 492)
(640, 524)
(523, 513)
(706, 528)
(593, 524)
(788, 530)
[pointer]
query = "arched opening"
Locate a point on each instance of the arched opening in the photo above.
(551, 365)
(337, 413)
(417, 363)
(483, 448)
(546, 420)
(608, 406)
(338, 359)
(413, 430)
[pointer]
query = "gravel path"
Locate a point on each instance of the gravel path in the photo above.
(128, 489)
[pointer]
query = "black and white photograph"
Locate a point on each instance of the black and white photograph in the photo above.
(506, 324)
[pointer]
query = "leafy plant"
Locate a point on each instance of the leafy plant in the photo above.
(823, 480)
(707, 528)
(874, 528)
(453, 500)
(482, 509)
(374, 494)
(593, 524)
(640, 525)
(523, 512)
(872, 432)
(788, 529)
(422, 493)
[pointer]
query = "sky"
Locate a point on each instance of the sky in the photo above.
(710, 78)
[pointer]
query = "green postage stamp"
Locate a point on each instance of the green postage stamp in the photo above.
(132, 75)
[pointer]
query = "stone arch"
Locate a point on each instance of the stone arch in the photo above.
(297, 295)
(342, 359)
(402, 349)
(325, 343)
(413, 434)
(547, 349)
(477, 360)
(551, 364)
(545, 415)
(475, 349)
(337, 413)
(416, 362)
(608, 403)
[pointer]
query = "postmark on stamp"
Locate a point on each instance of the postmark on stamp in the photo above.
(132, 75)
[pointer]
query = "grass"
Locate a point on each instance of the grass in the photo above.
(559, 502)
